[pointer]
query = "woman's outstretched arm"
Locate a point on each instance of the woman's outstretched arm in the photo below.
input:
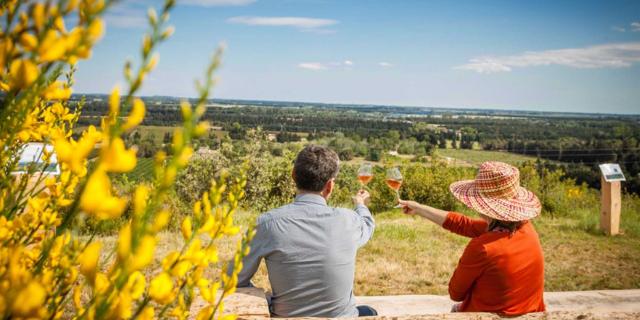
(435, 215)
(454, 222)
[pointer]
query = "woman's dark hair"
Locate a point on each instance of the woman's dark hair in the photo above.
(314, 166)
(511, 226)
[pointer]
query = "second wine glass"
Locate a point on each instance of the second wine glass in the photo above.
(394, 181)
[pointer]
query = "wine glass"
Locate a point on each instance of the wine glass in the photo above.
(394, 181)
(365, 174)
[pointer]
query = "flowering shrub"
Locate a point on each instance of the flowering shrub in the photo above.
(46, 269)
(269, 182)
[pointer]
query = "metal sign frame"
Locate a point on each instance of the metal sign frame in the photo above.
(612, 172)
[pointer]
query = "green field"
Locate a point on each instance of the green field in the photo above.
(159, 131)
(143, 170)
(476, 157)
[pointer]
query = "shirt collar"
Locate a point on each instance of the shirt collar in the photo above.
(311, 198)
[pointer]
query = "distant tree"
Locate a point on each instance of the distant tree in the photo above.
(136, 137)
(345, 154)
(284, 136)
(428, 148)
(374, 155)
(168, 136)
(147, 147)
(442, 143)
(236, 131)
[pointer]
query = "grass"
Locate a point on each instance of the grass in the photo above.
(409, 255)
(476, 157)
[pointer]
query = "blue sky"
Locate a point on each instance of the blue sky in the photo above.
(579, 56)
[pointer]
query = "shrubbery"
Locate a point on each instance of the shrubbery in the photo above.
(559, 195)
(269, 182)
(270, 185)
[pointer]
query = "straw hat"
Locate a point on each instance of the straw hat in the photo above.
(496, 192)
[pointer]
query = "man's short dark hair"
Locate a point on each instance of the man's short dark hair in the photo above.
(314, 166)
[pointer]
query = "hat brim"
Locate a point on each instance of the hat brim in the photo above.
(523, 206)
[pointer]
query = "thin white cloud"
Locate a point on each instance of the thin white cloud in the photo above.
(314, 66)
(296, 22)
(133, 13)
(318, 30)
(216, 3)
(618, 29)
(635, 26)
(125, 21)
(615, 55)
(127, 15)
(385, 64)
(321, 66)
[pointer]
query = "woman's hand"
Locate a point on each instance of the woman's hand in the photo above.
(409, 207)
(413, 208)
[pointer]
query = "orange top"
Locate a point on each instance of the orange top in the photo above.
(497, 272)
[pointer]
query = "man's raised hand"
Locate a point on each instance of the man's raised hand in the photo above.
(362, 197)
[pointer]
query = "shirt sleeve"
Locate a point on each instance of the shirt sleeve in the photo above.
(464, 226)
(471, 265)
(367, 224)
(251, 262)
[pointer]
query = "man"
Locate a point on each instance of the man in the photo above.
(309, 247)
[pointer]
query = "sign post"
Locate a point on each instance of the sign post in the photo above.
(611, 198)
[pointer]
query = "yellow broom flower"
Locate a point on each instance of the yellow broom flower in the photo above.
(59, 24)
(147, 314)
(186, 228)
(144, 253)
(28, 41)
(23, 73)
(89, 261)
(57, 91)
(124, 242)
(29, 300)
(136, 284)
(53, 47)
(161, 288)
(140, 199)
(114, 102)
(96, 30)
(97, 200)
(136, 115)
(71, 5)
(116, 158)
(38, 15)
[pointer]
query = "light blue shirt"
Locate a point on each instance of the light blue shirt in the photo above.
(310, 252)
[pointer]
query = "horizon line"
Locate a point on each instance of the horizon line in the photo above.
(470, 108)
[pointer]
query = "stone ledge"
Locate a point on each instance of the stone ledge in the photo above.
(247, 303)
(532, 316)
(597, 302)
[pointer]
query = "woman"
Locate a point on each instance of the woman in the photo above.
(502, 268)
